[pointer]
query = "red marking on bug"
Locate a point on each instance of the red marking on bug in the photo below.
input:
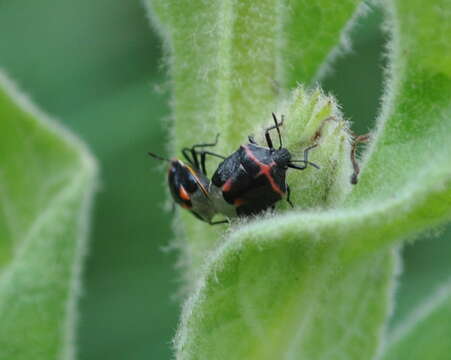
(227, 185)
(183, 193)
(185, 206)
(265, 170)
(238, 202)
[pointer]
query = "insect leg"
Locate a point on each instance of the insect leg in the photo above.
(208, 144)
(288, 196)
(203, 157)
(213, 154)
(191, 156)
(318, 132)
(357, 140)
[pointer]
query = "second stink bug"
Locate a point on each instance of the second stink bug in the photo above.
(189, 184)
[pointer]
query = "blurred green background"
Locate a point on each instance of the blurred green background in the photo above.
(96, 66)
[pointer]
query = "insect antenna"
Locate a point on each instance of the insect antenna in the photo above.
(277, 128)
(155, 156)
(306, 162)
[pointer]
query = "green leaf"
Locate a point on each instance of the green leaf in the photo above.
(46, 185)
(408, 168)
(313, 34)
(229, 63)
(286, 298)
(424, 334)
(412, 146)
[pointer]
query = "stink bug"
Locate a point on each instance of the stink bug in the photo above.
(252, 179)
(188, 183)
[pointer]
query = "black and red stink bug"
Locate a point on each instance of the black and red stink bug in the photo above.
(188, 183)
(252, 179)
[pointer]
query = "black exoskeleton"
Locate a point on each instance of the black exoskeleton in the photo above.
(253, 178)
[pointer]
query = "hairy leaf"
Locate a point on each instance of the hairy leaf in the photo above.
(46, 184)
(275, 282)
(287, 298)
(424, 334)
(313, 33)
